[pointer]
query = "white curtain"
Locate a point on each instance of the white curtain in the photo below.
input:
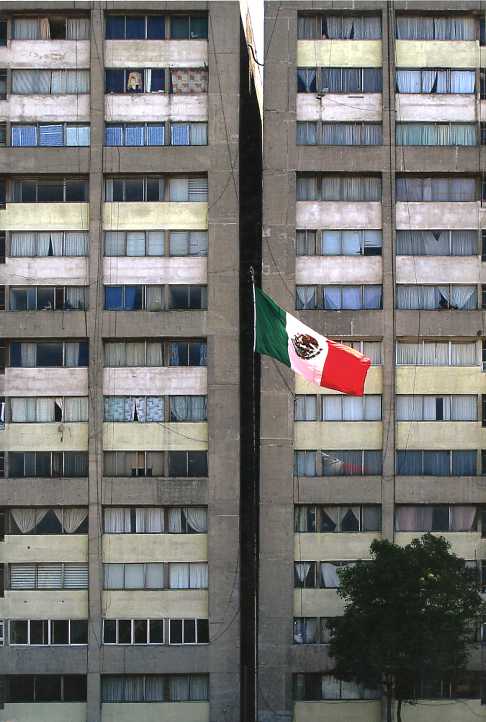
(117, 521)
(22, 410)
(154, 575)
(330, 687)
(198, 575)
(25, 519)
(179, 576)
(408, 81)
(306, 297)
(199, 687)
(305, 463)
(155, 298)
(302, 569)
(179, 688)
(197, 518)
(23, 244)
(155, 243)
(464, 408)
(154, 688)
(134, 576)
(71, 354)
(154, 353)
(77, 28)
(71, 518)
(75, 298)
(409, 408)
(149, 520)
(463, 518)
(25, 29)
(76, 408)
(329, 577)
(76, 243)
(175, 520)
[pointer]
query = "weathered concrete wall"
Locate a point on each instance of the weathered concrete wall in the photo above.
(339, 107)
(440, 269)
(436, 53)
(155, 547)
(437, 215)
(333, 547)
(153, 107)
(154, 216)
(153, 381)
(50, 54)
(156, 53)
(45, 216)
(47, 108)
(45, 548)
(45, 604)
(152, 436)
(339, 53)
(47, 271)
(338, 214)
(35, 382)
(338, 269)
(187, 603)
(424, 108)
(155, 711)
(332, 435)
(44, 712)
(146, 269)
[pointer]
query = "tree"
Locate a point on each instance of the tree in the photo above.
(409, 613)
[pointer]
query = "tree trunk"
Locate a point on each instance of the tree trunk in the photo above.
(399, 710)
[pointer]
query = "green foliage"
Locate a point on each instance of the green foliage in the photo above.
(409, 612)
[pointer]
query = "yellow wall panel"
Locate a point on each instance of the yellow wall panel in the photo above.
(332, 711)
(439, 435)
(45, 604)
(45, 216)
(338, 435)
(155, 712)
(152, 436)
(137, 216)
(45, 437)
(44, 548)
(339, 53)
(155, 547)
(440, 380)
(166, 603)
(333, 547)
(437, 53)
(317, 603)
(44, 712)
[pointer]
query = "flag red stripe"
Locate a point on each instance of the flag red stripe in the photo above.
(344, 369)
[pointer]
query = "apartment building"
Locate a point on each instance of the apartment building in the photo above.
(119, 378)
(373, 231)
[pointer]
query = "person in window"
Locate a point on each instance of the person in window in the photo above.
(134, 82)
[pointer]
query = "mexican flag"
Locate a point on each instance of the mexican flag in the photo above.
(318, 359)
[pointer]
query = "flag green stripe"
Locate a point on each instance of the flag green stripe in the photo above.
(271, 328)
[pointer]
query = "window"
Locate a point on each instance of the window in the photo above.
(153, 243)
(436, 463)
(3, 32)
(339, 243)
(49, 575)
(188, 133)
(435, 80)
(156, 575)
(339, 463)
(436, 353)
(318, 575)
(49, 354)
(338, 27)
(188, 408)
(48, 298)
(439, 517)
(319, 133)
(30, 632)
(42, 409)
(339, 80)
(155, 353)
(135, 27)
(152, 298)
(338, 298)
(50, 82)
(371, 349)
(188, 631)
(133, 631)
(134, 134)
(155, 520)
(436, 189)
(144, 409)
(50, 134)
(50, 28)
(50, 190)
(188, 27)
(38, 520)
(311, 630)
(338, 188)
(135, 80)
(2, 246)
(46, 464)
(188, 463)
(3, 132)
(187, 298)
(155, 688)
(134, 463)
(441, 27)
(437, 298)
(3, 84)
(436, 408)
(48, 243)
(330, 519)
(437, 243)
(343, 408)
(156, 188)
(311, 686)
(436, 134)
(46, 688)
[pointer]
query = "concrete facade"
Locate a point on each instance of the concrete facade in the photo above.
(282, 489)
(220, 54)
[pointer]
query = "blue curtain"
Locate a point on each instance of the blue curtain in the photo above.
(51, 135)
(113, 135)
(113, 298)
(134, 134)
(179, 134)
(155, 135)
(24, 135)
